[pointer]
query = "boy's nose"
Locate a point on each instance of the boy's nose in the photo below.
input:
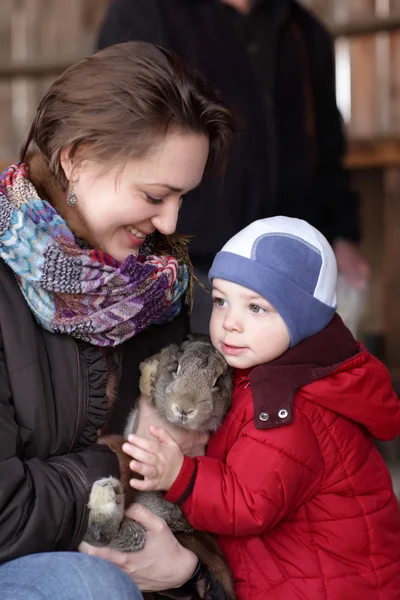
(232, 322)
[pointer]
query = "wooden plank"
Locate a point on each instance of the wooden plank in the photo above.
(36, 68)
(373, 153)
(364, 96)
(366, 25)
(391, 271)
(369, 185)
(25, 45)
(395, 83)
(6, 132)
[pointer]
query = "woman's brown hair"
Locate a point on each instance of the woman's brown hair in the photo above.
(113, 105)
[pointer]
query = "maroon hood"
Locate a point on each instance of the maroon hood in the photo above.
(333, 371)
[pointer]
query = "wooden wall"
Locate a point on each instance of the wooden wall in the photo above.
(374, 61)
(39, 31)
(60, 30)
(374, 156)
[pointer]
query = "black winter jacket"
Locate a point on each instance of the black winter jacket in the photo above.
(52, 403)
(289, 158)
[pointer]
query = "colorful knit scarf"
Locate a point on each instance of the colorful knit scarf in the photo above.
(81, 292)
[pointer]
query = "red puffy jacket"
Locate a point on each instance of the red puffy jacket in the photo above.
(293, 484)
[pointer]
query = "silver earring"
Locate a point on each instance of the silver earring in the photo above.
(72, 197)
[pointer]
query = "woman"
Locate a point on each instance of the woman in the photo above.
(89, 259)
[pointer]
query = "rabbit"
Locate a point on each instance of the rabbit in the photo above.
(191, 387)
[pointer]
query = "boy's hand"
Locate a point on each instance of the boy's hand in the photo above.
(159, 461)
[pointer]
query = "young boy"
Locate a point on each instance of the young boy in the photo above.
(292, 483)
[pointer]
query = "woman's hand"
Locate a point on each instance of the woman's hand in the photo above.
(191, 443)
(159, 461)
(162, 564)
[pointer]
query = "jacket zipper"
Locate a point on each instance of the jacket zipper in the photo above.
(82, 395)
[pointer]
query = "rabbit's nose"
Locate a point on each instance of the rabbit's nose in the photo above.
(181, 412)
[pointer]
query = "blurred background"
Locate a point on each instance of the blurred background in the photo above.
(40, 38)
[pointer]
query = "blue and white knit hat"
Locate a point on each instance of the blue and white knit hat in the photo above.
(288, 262)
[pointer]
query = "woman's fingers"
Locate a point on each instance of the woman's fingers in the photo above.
(147, 518)
(105, 553)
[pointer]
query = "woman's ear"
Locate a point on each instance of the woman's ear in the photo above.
(66, 162)
(70, 167)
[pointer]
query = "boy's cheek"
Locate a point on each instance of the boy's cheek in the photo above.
(214, 330)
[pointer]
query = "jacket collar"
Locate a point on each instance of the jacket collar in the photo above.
(275, 384)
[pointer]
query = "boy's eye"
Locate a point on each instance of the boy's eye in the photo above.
(219, 301)
(154, 200)
(256, 309)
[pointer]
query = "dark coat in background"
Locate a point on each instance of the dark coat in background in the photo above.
(276, 68)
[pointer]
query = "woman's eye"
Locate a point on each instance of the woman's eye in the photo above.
(256, 309)
(219, 301)
(154, 200)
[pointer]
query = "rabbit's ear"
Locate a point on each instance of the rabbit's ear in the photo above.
(173, 365)
(214, 384)
(216, 364)
(196, 337)
(174, 369)
(169, 358)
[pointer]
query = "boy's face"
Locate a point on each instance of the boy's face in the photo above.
(244, 327)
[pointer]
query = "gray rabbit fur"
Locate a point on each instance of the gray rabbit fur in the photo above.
(191, 387)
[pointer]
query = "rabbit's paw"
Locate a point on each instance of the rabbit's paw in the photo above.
(106, 511)
(148, 370)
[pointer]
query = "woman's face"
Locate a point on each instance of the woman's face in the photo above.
(115, 210)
